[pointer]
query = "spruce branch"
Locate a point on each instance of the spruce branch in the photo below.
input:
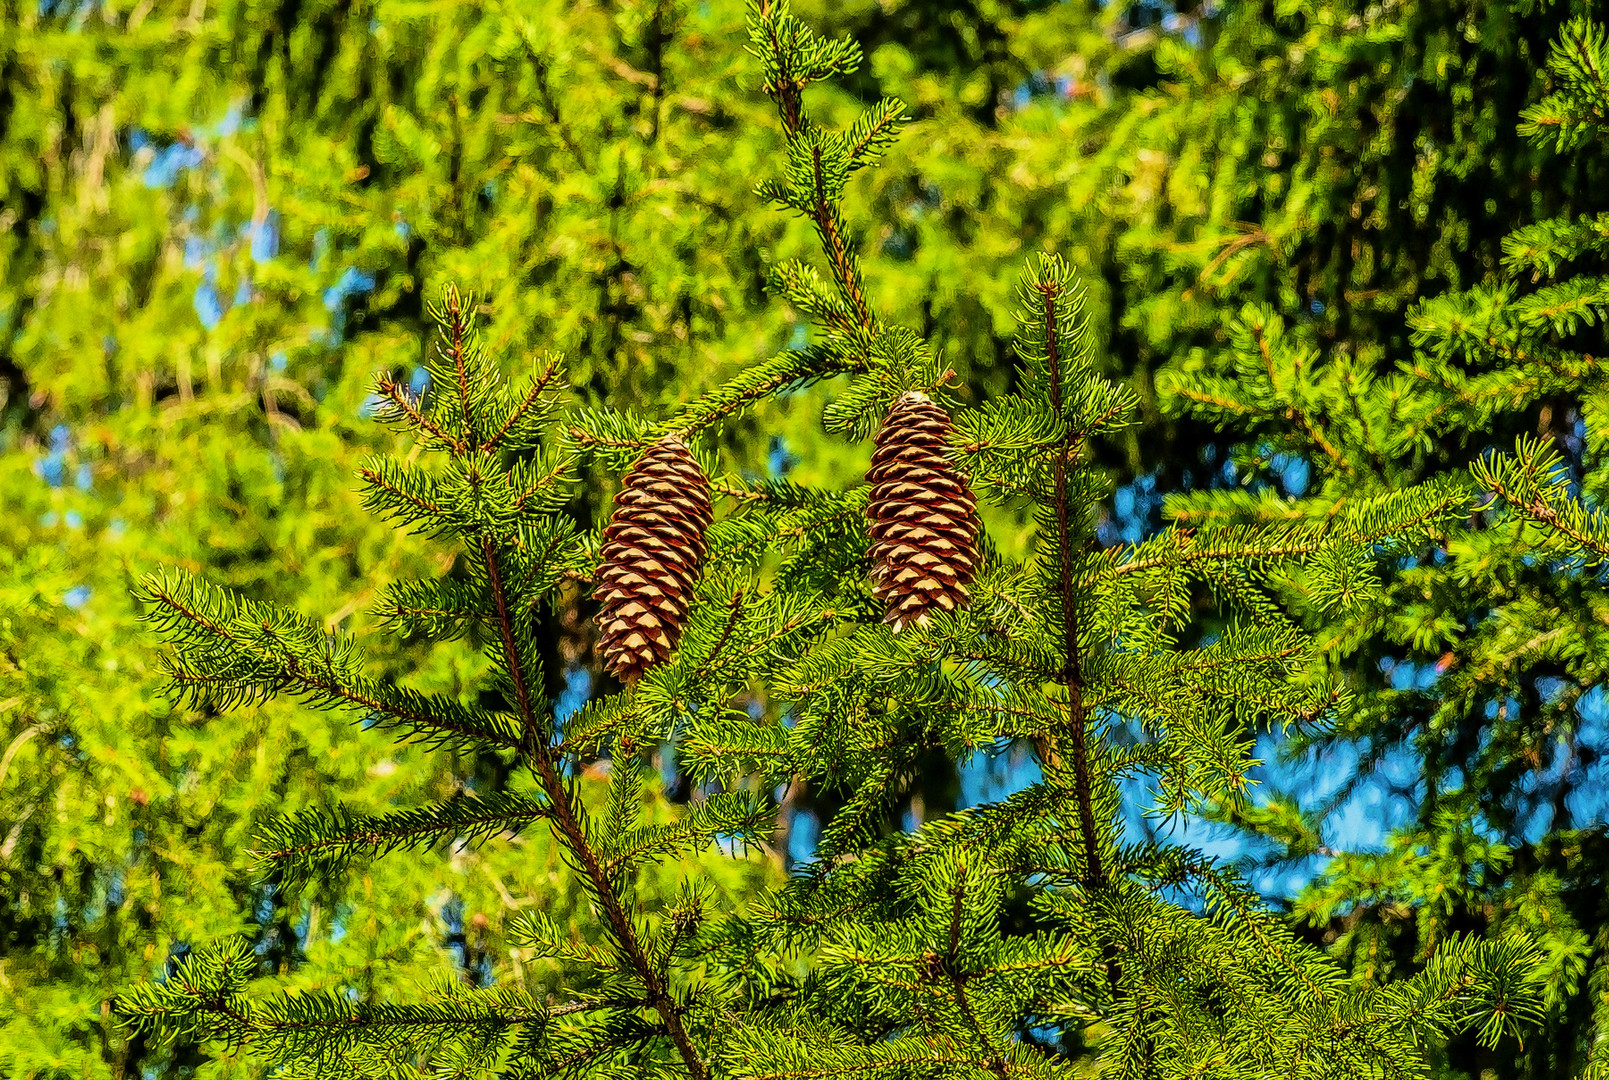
(399, 405)
(407, 494)
(236, 651)
(1050, 286)
(800, 285)
(538, 933)
(830, 227)
(793, 57)
(443, 609)
(569, 816)
(1579, 107)
(518, 419)
(318, 844)
(874, 131)
(1535, 483)
(455, 315)
(325, 1031)
(790, 370)
(952, 967)
(1543, 246)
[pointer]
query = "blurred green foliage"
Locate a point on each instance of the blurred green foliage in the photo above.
(1461, 341)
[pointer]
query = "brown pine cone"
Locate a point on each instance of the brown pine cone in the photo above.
(653, 550)
(924, 520)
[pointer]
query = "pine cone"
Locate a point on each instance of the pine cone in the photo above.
(924, 520)
(652, 553)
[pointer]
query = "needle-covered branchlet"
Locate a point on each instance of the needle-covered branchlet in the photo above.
(924, 519)
(653, 552)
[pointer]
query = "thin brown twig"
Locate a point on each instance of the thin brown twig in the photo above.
(568, 817)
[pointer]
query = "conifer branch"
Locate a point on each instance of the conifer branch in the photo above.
(829, 225)
(457, 322)
(442, 608)
(1072, 675)
(951, 966)
(312, 843)
(1259, 328)
(393, 492)
(783, 85)
(567, 815)
(403, 405)
(320, 1029)
(244, 650)
(1534, 482)
(533, 393)
(757, 383)
(794, 57)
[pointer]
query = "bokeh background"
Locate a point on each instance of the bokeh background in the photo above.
(220, 220)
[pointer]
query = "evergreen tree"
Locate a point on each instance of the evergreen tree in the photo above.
(217, 222)
(1482, 669)
(1008, 939)
(1337, 161)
